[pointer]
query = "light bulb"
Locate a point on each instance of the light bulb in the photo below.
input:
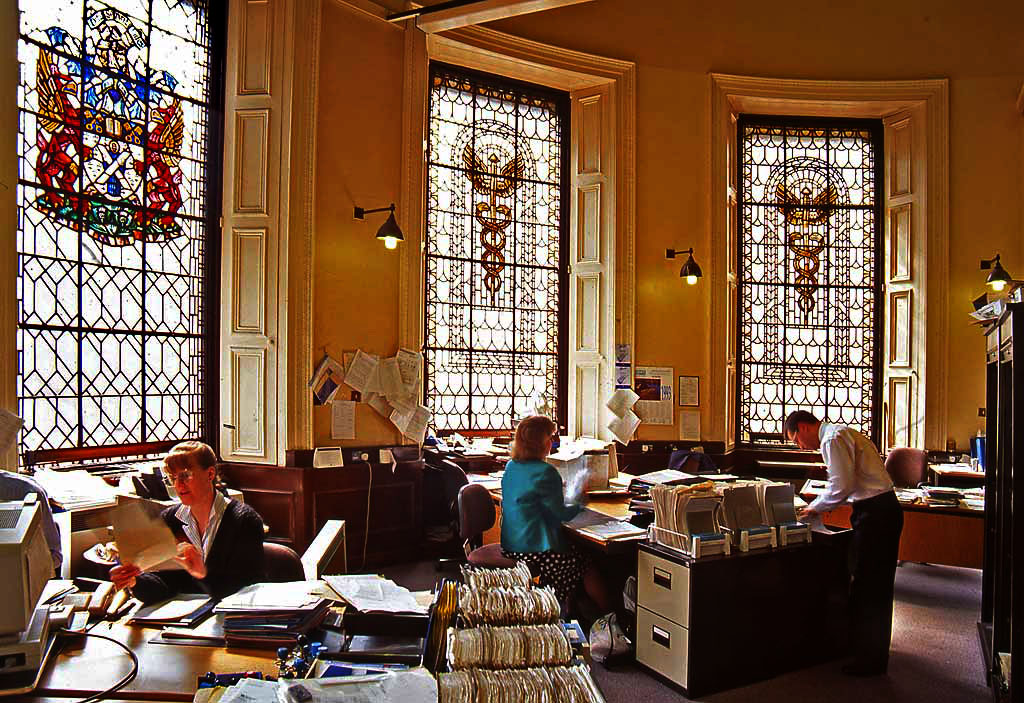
(692, 280)
(997, 285)
(390, 242)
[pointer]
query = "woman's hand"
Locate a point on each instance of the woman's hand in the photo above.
(123, 576)
(191, 560)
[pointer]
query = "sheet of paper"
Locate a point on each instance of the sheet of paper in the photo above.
(689, 425)
(391, 378)
(380, 404)
(412, 424)
(174, 609)
(622, 401)
(343, 419)
(362, 372)
(293, 595)
(689, 390)
(326, 380)
(653, 384)
(142, 539)
(251, 691)
(623, 354)
(410, 364)
(10, 424)
(624, 427)
(371, 593)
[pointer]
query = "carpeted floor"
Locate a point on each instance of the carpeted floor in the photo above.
(935, 657)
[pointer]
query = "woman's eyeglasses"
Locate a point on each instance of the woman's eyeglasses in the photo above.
(183, 476)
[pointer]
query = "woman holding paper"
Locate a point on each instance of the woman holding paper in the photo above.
(220, 541)
(533, 508)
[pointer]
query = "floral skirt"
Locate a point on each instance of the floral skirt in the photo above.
(563, 571)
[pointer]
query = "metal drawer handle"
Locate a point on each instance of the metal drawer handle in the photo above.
(662, 578)
(661, 637)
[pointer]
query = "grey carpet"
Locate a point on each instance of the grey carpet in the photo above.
(935, 656)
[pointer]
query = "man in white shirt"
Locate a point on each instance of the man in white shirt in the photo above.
(857, 475)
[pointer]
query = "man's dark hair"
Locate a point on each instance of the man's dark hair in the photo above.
(795, 419)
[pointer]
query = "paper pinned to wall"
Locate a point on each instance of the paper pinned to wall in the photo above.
(391, 384)
(380, 404)
(412, 423)
(410, 363)
(10, 424)
(326, 380)
(362, 372)
(653, 384)
(343, 419)
(689, 425)
(624, 427)
(622, 401)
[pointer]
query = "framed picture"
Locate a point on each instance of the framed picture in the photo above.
(689, 391)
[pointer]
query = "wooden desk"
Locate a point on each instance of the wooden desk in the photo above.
(613, 506)
(166, 672)
(949, 536)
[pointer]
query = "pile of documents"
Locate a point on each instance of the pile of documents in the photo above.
(682, 511)
(369, 593)
(272, 614)
(74, 490)
(603, 527)
(776, 503)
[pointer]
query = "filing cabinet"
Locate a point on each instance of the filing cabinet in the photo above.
(709, 624)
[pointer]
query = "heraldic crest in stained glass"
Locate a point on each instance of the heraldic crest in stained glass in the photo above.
(806, 191)
(495, 170)
(104, 114)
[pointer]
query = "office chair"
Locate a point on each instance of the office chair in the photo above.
(281, 564)
(907, 467)
(476, 516)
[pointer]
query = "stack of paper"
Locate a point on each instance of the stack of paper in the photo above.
(272, 614)
(741, 509)
(626, 421)
(777, 503)
(73, 490)
(684, 510)
(604, 527)
(186, 610)
(369, 593)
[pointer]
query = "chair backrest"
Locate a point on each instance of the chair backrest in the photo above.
(454, 479)
(281, 563)
(907, 467)
(476, 511)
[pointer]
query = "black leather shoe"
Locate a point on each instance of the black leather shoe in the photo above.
(862, 670)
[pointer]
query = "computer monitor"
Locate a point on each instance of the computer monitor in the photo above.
(25, 562)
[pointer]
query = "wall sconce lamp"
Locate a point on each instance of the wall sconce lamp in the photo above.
(389, 231)
(690, 270)
(999, 277)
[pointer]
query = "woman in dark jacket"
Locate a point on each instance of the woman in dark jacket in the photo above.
(220, 541)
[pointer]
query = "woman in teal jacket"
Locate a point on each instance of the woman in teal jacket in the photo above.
(533, 508)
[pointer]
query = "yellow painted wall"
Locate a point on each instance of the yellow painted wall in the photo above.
(355, 280)
(675, 45)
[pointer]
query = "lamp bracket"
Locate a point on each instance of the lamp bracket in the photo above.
(673, 253)
(361, 212)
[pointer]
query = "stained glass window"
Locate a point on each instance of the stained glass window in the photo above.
(809, 253)
(495, 234)
(114, 184)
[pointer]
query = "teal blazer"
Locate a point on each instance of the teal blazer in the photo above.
(533, 508)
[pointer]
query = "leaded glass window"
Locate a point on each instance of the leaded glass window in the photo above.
(114, 194)
(495, 284)
(810, 250)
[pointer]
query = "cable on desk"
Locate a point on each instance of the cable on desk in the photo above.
(125, 680)
(369, 489)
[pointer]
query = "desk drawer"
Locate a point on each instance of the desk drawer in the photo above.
(663, 587)
(662, 645)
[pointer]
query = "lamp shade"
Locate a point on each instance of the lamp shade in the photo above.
(999, 277)
(389, 232)
(690, 270)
